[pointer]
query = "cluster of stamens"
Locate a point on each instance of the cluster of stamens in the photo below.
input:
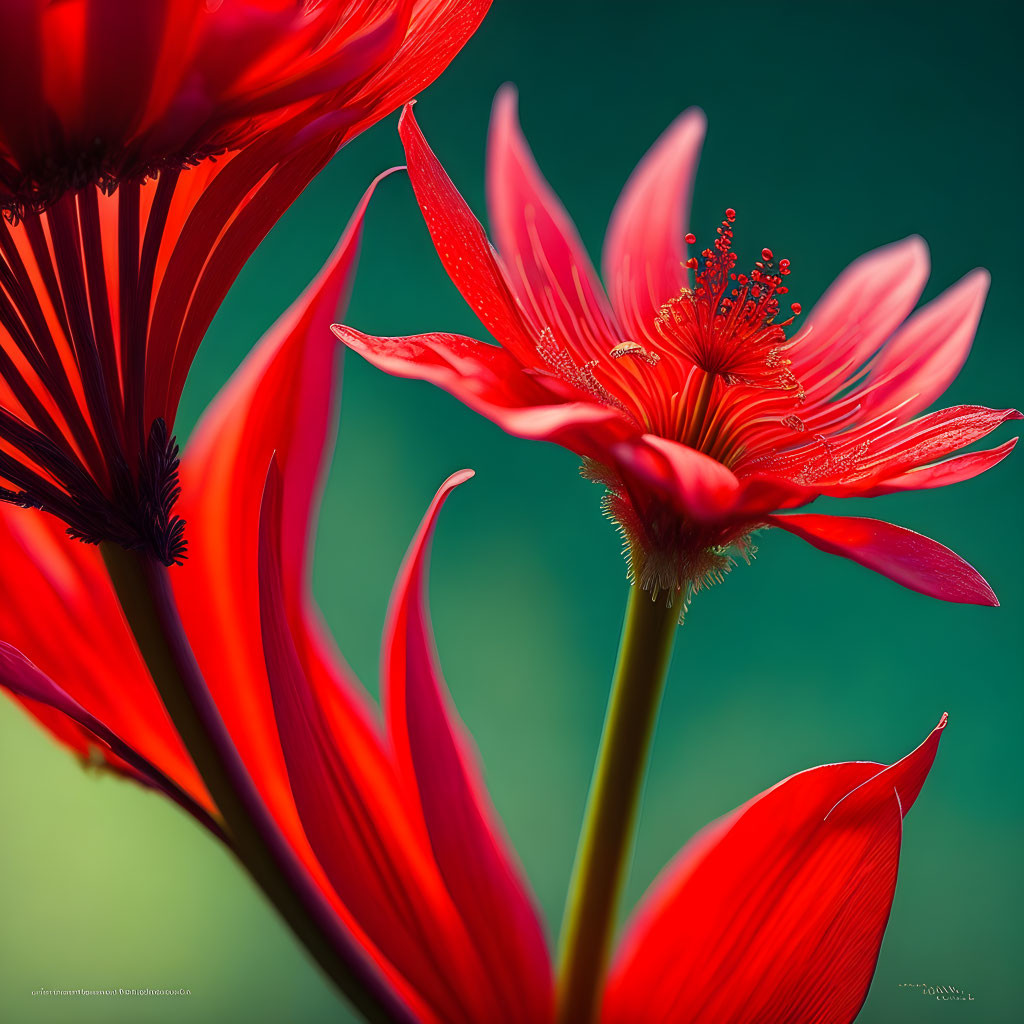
(726, 324)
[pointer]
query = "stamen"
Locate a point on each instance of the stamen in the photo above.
(567, 369)
(631, 348)
(726, 323)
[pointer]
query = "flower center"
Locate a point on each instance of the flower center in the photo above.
(726, 324)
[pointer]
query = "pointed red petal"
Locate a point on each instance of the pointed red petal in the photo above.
(358, 820)
(644, 250)
(857, 315)
(38, 691)
(464, 249)
(491, 382)
(951, 471)
(283, 400)
(434, 753)
(927, 353)
(912, 560)
(547, 263)
(776, 912)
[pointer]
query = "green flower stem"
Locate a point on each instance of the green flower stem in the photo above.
(606, 841)
(144, 591)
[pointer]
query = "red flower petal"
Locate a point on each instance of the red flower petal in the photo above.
(38, 691)
(62, 590)
(951, 471)
(363, 830)
(547, 264)
(437, 32)
(282, 399)
(692, 483)
(908, 558)
(435, 757)
(491, 382)
(644, 251)
(926, 354)
(775, 912)
(890, 448)
(464, 249)
(859, 312)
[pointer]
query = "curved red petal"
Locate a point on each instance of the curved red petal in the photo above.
(777, 911)
(644, 251)
(282, 399)
(951, 471)
(37, 691)
(438, 30)
(925, 355)
(434, 753)
(545, 259)
(60, 588)
(491, 382)
(857, 315)
(357, 818)
(692, 483)
(908, 558)
(463, 247)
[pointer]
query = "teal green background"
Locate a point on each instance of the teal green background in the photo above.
(833, 129)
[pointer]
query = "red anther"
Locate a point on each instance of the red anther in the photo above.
(691, 238)
(692, 263)
(796, 307)
(783, 265)
(767, 255)
(730, 214)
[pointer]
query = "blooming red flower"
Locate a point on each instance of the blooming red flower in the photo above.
(786, 898)
(696, 401)
(145, 150)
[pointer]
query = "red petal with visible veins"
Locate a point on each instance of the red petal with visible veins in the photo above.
(435, 756)
(908, 558)
(925, 355)
(941, 474)
(437, 32)
(644, 251)
(857, 315)
(488, 380)
(775, 912)
(545, 259)
(464, 249)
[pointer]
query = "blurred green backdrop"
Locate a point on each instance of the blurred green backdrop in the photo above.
(833, 129)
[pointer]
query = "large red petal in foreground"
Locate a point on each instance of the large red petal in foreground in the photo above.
(283, 400)
(776, 912)
(58, 587)
(368, 841)
(912, 560)
(435, 756)
(437, 31)
(42, 695)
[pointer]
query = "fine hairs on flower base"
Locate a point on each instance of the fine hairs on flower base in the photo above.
(683, 560)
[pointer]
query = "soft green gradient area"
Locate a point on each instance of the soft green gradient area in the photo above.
(833, 129)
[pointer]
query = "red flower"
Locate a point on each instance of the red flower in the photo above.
(698, 408)
(145, 150)
(786, 898)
